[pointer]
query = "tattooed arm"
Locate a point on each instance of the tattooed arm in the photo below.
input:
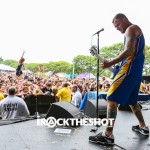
(131, 35)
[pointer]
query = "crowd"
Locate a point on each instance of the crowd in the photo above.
(63, 89)
(32, 84)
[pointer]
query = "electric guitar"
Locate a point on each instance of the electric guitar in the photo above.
(114, 69)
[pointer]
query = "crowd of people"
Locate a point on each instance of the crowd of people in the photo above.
(63, 89)
(32, 84)
(19, 85)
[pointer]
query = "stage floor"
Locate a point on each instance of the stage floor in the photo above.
(28, 136)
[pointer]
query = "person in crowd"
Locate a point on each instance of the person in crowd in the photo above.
(146, 89)
(92, 87)
(77, 97)
(142, 88)
(64, 94)
(47, 90)
(1, 96)
(37, 90)
(56, 87)
(3, 89)
(106, 87)
(100, 88)
(20, 65)
(80, 88)
(85, 88)
(12, 106)
(39, 82)
(25, 92)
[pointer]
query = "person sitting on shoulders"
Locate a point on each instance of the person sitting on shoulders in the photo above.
(20, 65)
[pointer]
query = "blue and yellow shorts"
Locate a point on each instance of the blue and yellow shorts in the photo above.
(124, 89)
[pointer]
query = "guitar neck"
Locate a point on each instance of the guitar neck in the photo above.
(102, 60)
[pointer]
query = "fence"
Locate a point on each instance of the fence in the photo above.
(39, 103)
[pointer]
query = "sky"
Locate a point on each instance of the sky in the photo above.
(59, 30)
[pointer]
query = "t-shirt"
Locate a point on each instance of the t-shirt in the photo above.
(12, 107)
(142, 86)
(45, 90)
(76, 98)
(1, 96)
(64, 94)
(100, 90)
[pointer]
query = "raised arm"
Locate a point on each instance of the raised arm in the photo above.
(21, 56)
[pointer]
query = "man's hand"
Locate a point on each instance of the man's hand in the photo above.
(106, 64)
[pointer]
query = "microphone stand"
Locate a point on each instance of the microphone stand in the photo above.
(97, 114)
(97, 76)
(97, 68)
(36, 108)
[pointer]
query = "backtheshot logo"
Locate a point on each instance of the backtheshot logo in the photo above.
(52, 122)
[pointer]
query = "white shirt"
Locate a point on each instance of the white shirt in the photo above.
(76, 98)
(12, 107)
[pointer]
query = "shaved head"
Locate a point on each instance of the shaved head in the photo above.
(119, 16)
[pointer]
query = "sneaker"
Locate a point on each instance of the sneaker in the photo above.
(102, 139)
(144, 131)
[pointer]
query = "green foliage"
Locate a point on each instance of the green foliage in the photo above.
(60, 66)
(10, 62)
(83, 63)
(146, 70)
(109, 52)
(32, 66)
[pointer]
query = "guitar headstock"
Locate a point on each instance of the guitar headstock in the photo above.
(93, 50)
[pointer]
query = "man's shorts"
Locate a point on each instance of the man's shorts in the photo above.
(124, 89)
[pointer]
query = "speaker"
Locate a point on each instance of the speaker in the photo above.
(44, 102)
(31, 103)
(64, 110)
(90, 108)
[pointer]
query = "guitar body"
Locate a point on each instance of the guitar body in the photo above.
(115, 71)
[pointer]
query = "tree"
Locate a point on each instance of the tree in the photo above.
(109, 52)
(60, 66)
(146, 70)
(84, 63)
(10, 62)
(114, 50)
(32, 66)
